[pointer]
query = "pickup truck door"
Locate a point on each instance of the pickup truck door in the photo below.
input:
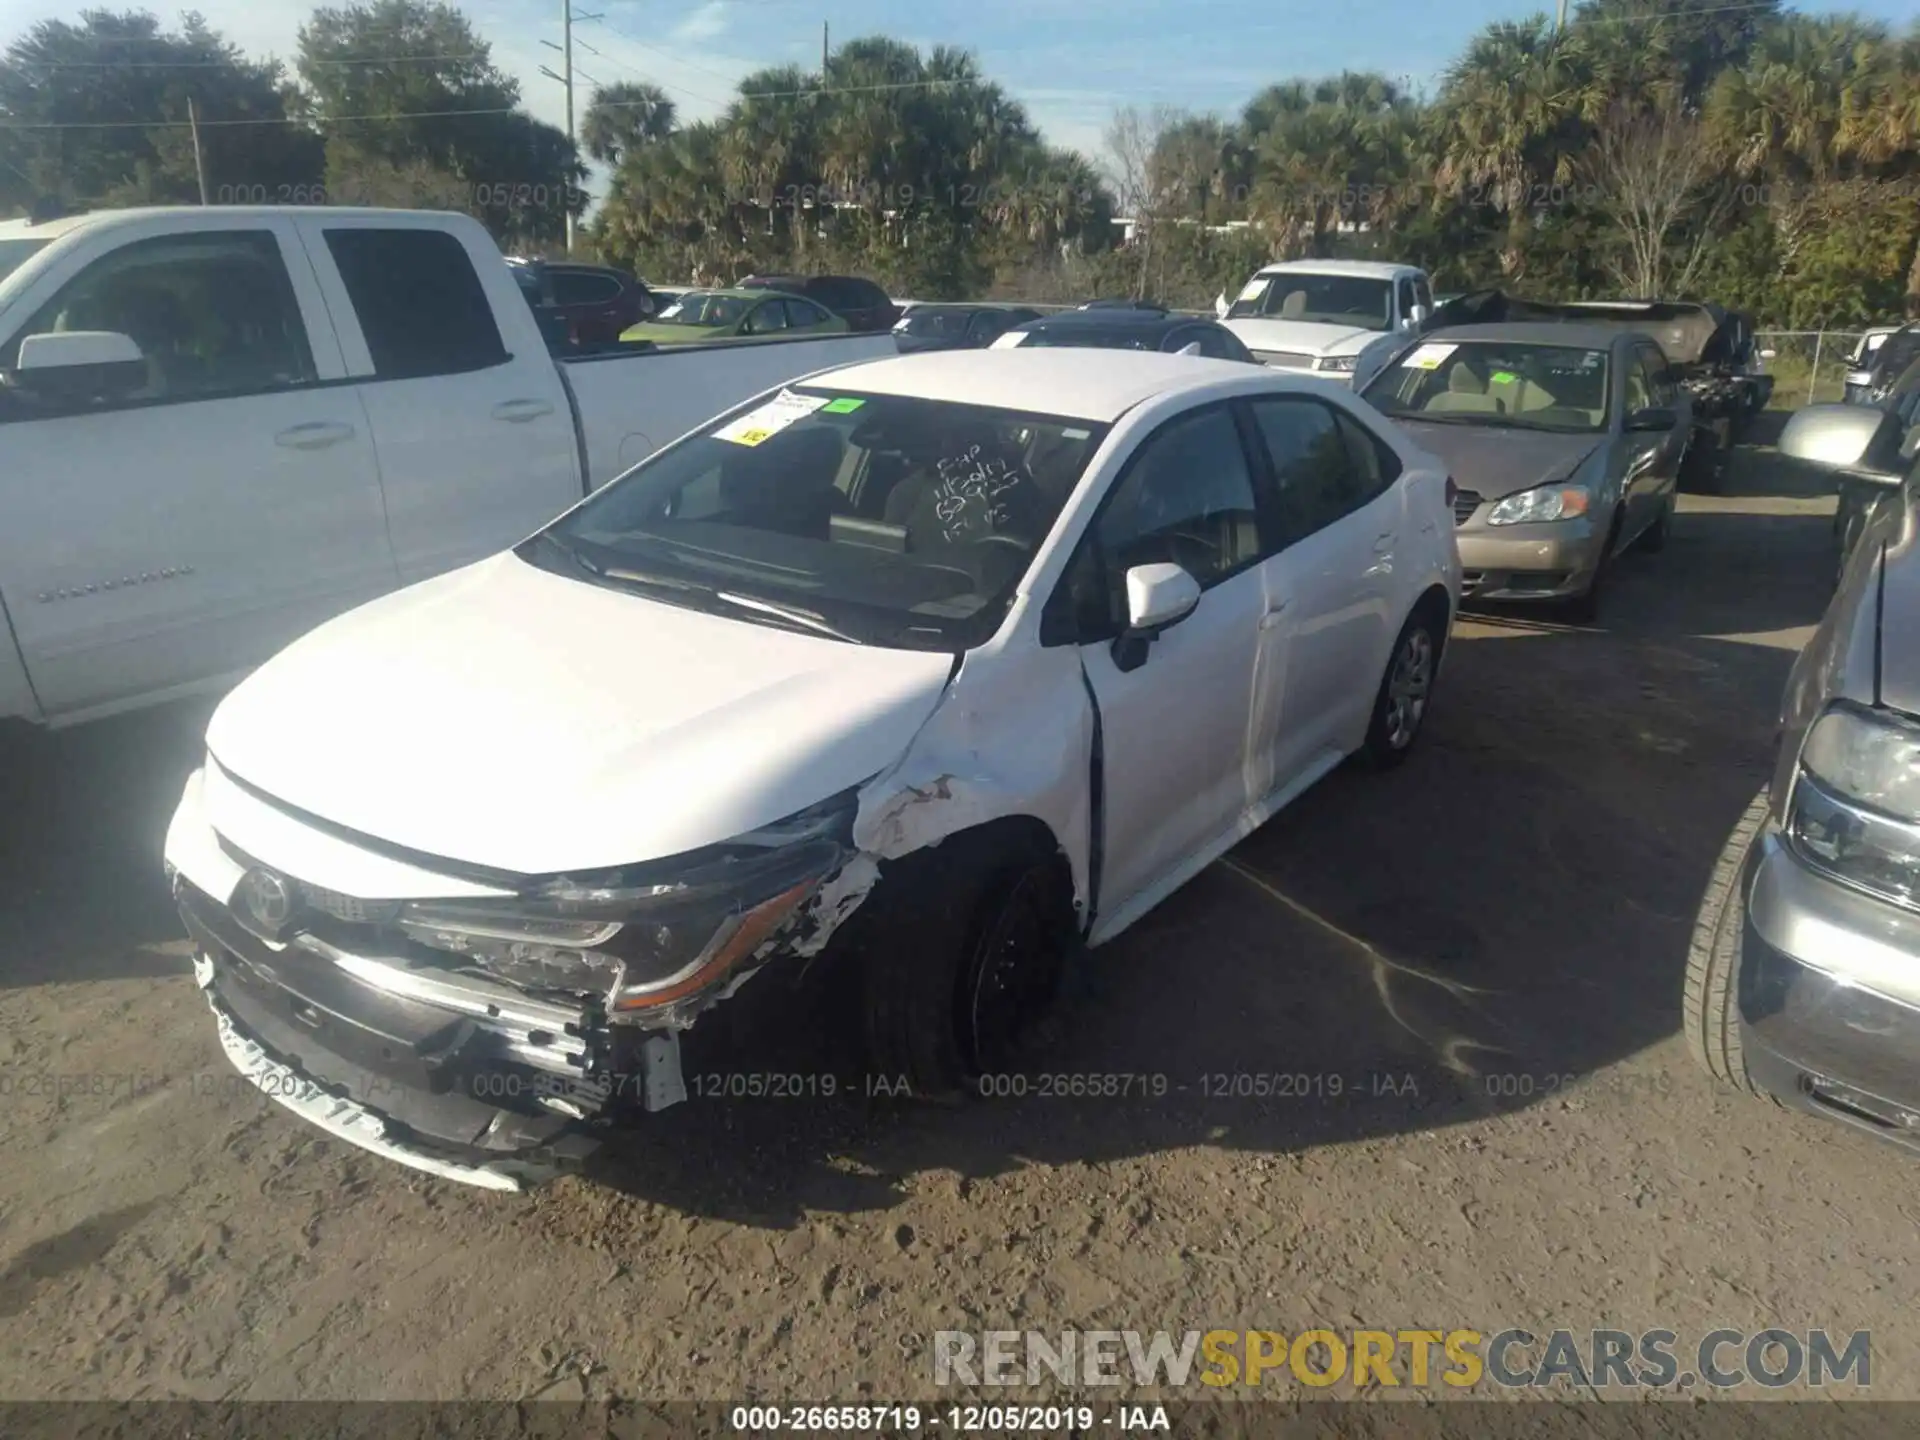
(470, 417)
(182, 533)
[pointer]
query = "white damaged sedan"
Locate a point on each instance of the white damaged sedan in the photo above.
(940, 666)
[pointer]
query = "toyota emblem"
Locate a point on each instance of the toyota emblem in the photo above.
(268, 898)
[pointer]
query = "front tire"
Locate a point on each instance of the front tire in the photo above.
(1711, 1001)
(1400, 705)
(959, 974)
(1654, 539)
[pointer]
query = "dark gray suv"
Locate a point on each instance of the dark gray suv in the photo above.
(1803, 982)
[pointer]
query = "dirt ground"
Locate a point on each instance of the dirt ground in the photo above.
(1482, 952)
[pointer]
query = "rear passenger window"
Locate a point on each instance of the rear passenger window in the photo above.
(418, 300)
(1314, 468)
(572, 287)
(1373, 460)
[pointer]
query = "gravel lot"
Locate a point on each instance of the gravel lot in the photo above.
(1482, 952)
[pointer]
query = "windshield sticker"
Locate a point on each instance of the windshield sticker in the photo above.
(844, 406)
(768, 420)
(1503, 377)
(1428, 357)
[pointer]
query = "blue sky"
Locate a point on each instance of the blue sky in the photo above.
(1072, 62)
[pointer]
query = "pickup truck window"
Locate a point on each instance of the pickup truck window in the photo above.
(213, 312)
(889, 519)
(1407, 298)
(1317, 299)
(418, 300)
(15, 253)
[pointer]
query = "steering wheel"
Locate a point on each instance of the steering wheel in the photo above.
(1024, 547)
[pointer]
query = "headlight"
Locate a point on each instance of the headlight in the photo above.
(1544, 503)
(650, 934)
(1855, 811)
(1343, 363)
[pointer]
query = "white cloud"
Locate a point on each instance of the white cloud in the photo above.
(707, 22)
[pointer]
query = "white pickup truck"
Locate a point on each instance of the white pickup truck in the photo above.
(1321, 315)
(221, 426)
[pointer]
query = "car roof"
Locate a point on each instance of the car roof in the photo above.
(1096, 385)
(1571, 334)
(1352, 269)
(1116, 320)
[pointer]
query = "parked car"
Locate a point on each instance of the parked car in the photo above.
(1121, 303)
(1803, 980)
(220, 426)
(702, 315)
(1896, 353)
(861, 303)
(1711, 350)
(1860, 362)
(927, 672)
(957, 327)
(1128, 329)
(1565, 442)
(590, 303)
(1319, 315)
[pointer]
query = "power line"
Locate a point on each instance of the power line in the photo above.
(256, 120)
(237, 65)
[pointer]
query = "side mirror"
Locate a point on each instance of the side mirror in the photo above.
(1220, 306)
(80, 366)
(1768, 354)
(1158, 598)
(1861, 443)
(1657, 417)
(1418, 316)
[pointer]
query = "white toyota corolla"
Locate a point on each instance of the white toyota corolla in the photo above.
(939, 666)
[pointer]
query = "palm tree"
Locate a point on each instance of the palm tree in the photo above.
(1512, 119)
(622, 118)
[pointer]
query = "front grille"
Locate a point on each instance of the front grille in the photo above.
(1284, 359)
(1465, 502)
(349, 908)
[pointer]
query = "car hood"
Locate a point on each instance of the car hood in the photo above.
(674, 334)
(1899, 603)
(506, 717)
(1305, 336)
(1494, 462)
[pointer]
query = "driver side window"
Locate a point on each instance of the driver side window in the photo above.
(768, 317)
(1186, 497)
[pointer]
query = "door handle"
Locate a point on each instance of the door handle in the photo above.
(518, 412)
(1270, 617)
(314, 435)
(1383, 543)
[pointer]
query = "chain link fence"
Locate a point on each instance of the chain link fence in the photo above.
(1809, 367)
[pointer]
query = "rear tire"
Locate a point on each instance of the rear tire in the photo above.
(961, 969)
(1406, 689)
(1712, 996)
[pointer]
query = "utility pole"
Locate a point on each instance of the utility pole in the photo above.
(823, 53)
(1560, 28)
(565, 47)
(199, 160)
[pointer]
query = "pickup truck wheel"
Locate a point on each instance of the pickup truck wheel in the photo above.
(962, 970)
(1712, 995)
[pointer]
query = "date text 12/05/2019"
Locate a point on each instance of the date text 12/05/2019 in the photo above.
(961, 1419)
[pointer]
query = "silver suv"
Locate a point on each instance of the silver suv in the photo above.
(1803, 982)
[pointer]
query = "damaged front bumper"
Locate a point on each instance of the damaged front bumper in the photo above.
(420, 1055)
(440, 1072)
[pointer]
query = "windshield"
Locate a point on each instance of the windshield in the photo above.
(15, 253)
(1090, 337)
(1317, 300)
(1529, 387)
(935, 324)
(703, 307)
(882, 519)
